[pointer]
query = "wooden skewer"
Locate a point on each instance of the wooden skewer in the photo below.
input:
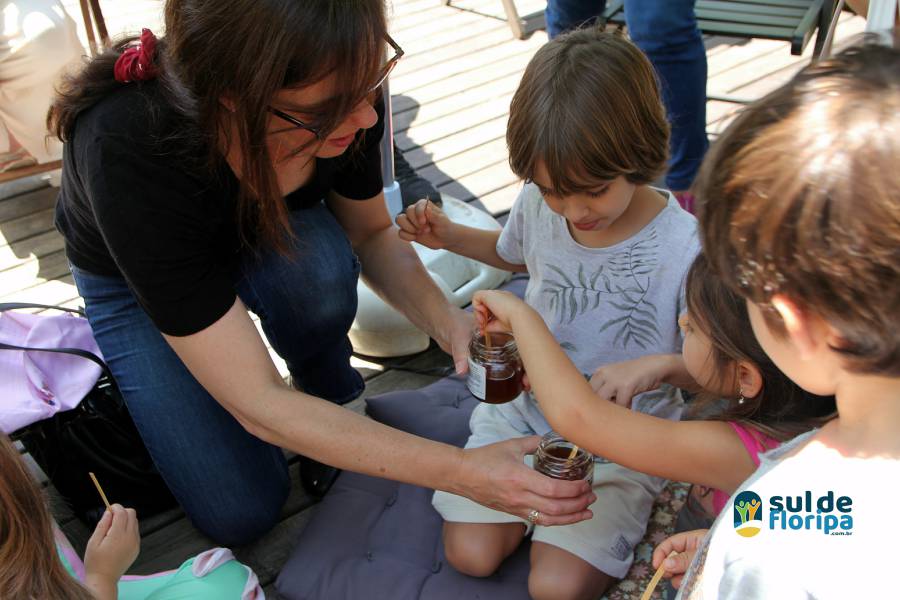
(656, 577)
(100, 489)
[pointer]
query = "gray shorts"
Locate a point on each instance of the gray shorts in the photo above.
(606, 541)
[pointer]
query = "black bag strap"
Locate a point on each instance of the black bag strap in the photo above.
(19, 305)
(4, 306)
(72, 351)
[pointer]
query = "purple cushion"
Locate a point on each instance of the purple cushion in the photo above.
(374, 538)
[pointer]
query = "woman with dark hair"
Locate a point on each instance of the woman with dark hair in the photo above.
(233, 165)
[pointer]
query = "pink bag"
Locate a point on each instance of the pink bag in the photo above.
(35, 385)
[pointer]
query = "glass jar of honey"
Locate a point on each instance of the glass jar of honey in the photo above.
(495, 369)
(552, 458)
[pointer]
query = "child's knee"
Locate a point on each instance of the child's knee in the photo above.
(555, 580)
(474, 553)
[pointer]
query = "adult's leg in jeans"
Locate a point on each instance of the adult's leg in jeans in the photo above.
(306, 302)
(231, 484)
(563, 15)
(666, 31)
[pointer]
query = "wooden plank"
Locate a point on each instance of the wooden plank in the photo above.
(26, 226)
(466, 163)
(745, 7)
(448, 24)
(481, 182)
(423, 60)
(732, 59)
(739, 29)
(446, 107)
(168, 547)
(500, 201)
(457, 143)
(790, 3)
(27, 202)
(57, 291)
(35, 271)
(414, 21)
(30, 249)
(267, 555)
(466, 27)
(401, 8)
(29, 171)
(407, 84)
(419, 135)
(487, 72)
(739, 19)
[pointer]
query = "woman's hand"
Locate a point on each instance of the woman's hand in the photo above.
(622, 381)
(425, 223)
(112, 548)
(496, 476)
(455, 335)
(686, 545)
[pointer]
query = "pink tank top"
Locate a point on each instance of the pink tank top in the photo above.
(755, 443)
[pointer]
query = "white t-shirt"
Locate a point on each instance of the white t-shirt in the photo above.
(792, 555)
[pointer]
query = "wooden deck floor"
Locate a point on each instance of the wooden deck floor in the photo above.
(451, 96)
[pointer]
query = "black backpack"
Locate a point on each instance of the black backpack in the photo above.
(98, 436)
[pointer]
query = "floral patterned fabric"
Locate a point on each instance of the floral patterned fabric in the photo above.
(661, 526)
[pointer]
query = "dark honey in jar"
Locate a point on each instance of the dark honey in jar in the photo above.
(552, 459)
(495, 371)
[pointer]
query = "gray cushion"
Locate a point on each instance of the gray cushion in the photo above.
(372, 538)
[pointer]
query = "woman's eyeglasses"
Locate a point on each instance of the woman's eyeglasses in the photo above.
(383, 75)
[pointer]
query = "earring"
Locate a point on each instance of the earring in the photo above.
(741, 398)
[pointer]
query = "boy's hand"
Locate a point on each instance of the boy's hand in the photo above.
(686, 545)
(114, 545)
(622, 381)
(495, 310)
(425, 223)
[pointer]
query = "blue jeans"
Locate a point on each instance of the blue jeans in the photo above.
(231, 484)
(666, 31)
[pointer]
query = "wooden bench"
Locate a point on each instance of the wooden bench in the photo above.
(792, 21)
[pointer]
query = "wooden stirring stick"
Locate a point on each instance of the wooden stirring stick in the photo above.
(100, 489)
(487, 336)
(573, 452)
(656, 577)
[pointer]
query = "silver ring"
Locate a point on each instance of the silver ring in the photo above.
(533, 517)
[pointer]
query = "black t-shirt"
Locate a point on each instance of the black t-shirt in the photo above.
(135, 203)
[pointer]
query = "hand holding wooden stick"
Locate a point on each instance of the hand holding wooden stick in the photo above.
(656, 577)
(99, 489)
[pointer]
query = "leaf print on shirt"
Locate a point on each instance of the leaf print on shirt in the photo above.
(639, 323)
(569, 299)
(568, 347)
(624, 280)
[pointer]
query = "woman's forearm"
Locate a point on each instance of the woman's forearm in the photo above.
(393, 270)
(344, 439)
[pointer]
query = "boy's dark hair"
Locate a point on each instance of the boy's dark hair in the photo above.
(589, 108)
(801, 197)
(782, 409)
(246, 51)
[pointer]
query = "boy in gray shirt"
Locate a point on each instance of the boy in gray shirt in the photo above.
(607, 256)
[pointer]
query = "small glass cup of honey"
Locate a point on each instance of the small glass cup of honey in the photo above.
(495, 368)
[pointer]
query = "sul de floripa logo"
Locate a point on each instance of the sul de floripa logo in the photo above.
(830, 515)
(747, 514)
